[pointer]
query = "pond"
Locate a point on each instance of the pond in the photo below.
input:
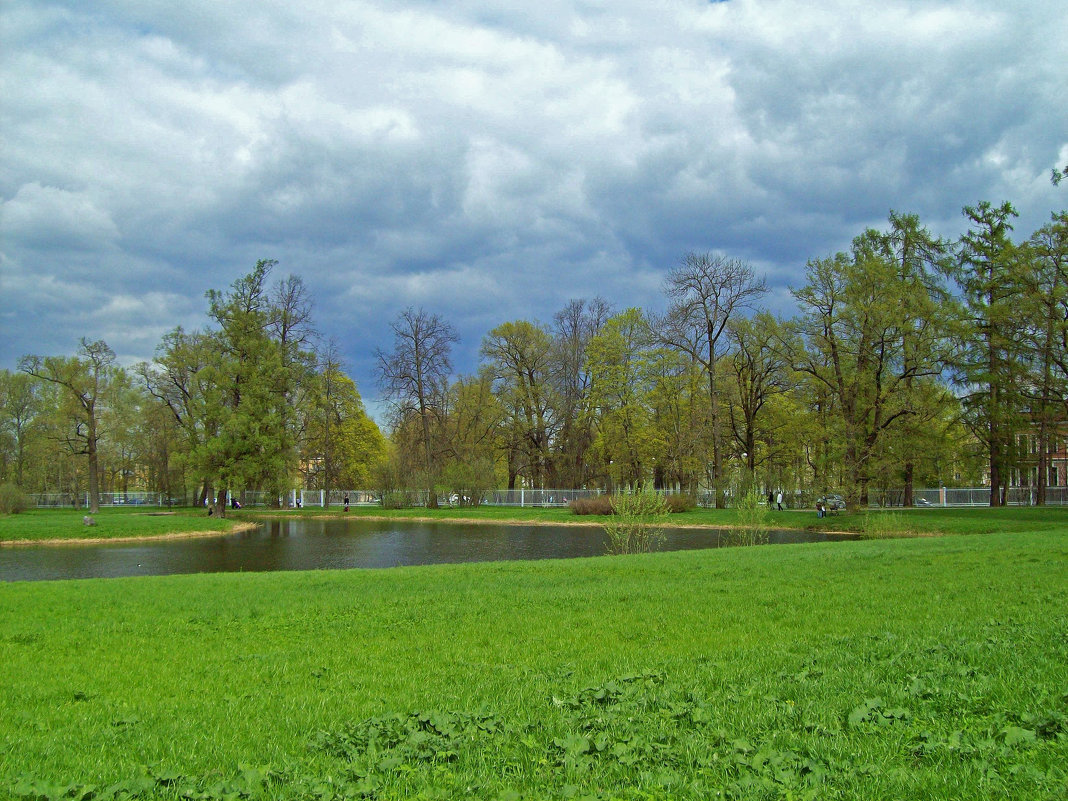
(316, 544)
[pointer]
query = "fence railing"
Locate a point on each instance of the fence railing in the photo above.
(926, 497)
(81, 499)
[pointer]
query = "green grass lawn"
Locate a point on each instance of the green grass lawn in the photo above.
(900, 668)
(111, 523)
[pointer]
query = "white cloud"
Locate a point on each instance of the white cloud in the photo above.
(47, 216)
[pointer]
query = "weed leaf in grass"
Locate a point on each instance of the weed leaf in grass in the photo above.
(1015, 735)
(864, 712)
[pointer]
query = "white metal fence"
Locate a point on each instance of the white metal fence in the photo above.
(81, 499)
(943, 496)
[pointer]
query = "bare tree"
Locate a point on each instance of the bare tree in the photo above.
(292, 327)
(414, 373)
(705, 291)
(85, 377)
(576, 324)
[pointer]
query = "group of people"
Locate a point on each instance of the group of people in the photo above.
(776, 498)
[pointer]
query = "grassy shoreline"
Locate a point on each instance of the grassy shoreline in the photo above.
(66, 526)
(866, 669)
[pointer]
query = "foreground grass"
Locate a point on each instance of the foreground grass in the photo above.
(921, 668)
(111, 523)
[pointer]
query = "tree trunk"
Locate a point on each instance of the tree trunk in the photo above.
(94, 482)
(94, 476)
(717, 450)
(995, 469)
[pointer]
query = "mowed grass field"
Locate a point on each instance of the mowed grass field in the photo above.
(897, 668)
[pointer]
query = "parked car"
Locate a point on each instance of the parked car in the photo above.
(832, 503)
(923, 502)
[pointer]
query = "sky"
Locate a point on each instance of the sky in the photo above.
(489, 161)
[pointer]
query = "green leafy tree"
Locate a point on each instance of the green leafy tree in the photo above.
(758, 372)
(343, 446)
(471, 437)
(519, 355)
(161, 452)
(928, 314)
(253, 447)
(181, 381)
(849, 344)
(619, 360)
(124, 448)
(989, 362)
(680, 419)
(1043, 263)
(85, 379)
(20, 409)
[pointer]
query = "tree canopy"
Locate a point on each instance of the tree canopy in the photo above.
(911, 360)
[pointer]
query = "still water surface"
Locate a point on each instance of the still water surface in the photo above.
(334, 544)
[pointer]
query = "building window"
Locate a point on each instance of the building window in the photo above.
(1053, 477)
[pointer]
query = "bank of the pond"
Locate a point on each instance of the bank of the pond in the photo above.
(921, 668)
(67, 526)
(235, 528)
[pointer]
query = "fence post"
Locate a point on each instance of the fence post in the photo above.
(521, 490)
(322, 498)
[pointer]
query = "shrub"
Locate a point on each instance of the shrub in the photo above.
(13, 500)
(395, 499)
(881, 525)
(597, 505)
(637, 522)
(680, 503)
(751, 521)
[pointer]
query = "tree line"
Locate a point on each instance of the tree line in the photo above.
(912, 360)
(253, 401)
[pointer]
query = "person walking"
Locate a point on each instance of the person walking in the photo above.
(346, 501)
(778, 500)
